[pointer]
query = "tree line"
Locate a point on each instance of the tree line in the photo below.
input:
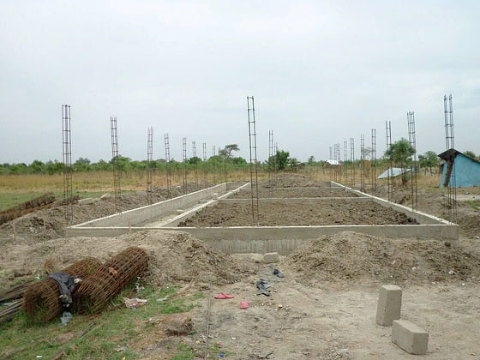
(400, 153)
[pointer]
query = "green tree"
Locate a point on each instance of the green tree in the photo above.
(400, 152)
(194, 160)
(227, 150)
(282, 159)
(294, 164)
(82, 164)
(470, 154)
(429, 160)
(37, 167)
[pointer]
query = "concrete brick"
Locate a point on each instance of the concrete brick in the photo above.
(389, 304)
(410, 337)
(269, 258)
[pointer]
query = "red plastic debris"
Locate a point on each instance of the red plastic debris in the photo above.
(244, 304)
(223, 296)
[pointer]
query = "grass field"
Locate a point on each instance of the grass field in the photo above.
(16, 189)
(109, 336)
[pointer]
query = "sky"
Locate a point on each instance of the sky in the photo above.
(321, 72)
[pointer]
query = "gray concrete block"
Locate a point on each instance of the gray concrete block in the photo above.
(269, 258)
(389, 304)
(410, 337)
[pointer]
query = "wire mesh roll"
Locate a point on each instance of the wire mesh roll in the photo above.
(94, 293)
(41, 300)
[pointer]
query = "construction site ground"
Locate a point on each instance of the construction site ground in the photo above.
(324, 307)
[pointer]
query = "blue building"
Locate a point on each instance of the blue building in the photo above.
(459, 170)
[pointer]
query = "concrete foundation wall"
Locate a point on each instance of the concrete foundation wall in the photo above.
(281, 239)
(142, 215)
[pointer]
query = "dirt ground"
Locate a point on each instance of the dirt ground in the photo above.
(432, 200)
(301, 213)
(325, 306)
(50, 223)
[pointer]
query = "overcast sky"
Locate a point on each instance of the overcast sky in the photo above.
(321, 73)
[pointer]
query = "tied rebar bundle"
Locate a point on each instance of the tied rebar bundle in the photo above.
(41, 300)
(97, 290)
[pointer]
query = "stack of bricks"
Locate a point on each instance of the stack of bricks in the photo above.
(405, 334)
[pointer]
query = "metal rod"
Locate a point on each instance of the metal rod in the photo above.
(252, 141)
(67, 163)
(115, 161)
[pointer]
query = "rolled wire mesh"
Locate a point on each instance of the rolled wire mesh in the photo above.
(94, 293)
(41, 300)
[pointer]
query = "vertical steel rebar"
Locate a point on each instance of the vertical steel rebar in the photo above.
(67, 163)
(204, 161)
(352, 159)
(184, 148)
(167, 164)
(374, 161)
(388, 127)
(450, 173)
(115, 161)
(362, 163)
(275, 164)
(150, 165)
(413, 159)
(194, 156)
(252, 141)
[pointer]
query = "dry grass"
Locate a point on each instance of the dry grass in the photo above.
(15, 189)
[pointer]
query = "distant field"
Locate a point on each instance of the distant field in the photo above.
(16, 189)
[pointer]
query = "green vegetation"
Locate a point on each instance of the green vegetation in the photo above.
(400, 152)
(109, 338)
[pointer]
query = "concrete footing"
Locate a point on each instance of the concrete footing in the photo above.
(389, 305)
(410, 337)
(165, 216)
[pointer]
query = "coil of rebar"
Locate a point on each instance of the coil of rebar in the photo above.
(94, 293)
(41, 300)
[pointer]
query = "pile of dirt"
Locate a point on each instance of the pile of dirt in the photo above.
(175, 257)
(179, 257)
(352, 256)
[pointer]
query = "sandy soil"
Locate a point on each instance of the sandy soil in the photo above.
(301, 213)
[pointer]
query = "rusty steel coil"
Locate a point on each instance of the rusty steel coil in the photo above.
(41, 300)
(94, 293)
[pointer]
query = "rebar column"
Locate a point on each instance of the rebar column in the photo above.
(362, 163)
(388, 127)
(184, 148)
(67, 163)
(204, 158)
(413, 159)
(150, 165)
(374, 161)
(345, 160)
(352, 159)
(115, 161)
(167, 164)
(450, 175)
(195, 165)
(252, 141)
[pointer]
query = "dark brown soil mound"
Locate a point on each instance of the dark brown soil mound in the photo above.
(351, 256)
